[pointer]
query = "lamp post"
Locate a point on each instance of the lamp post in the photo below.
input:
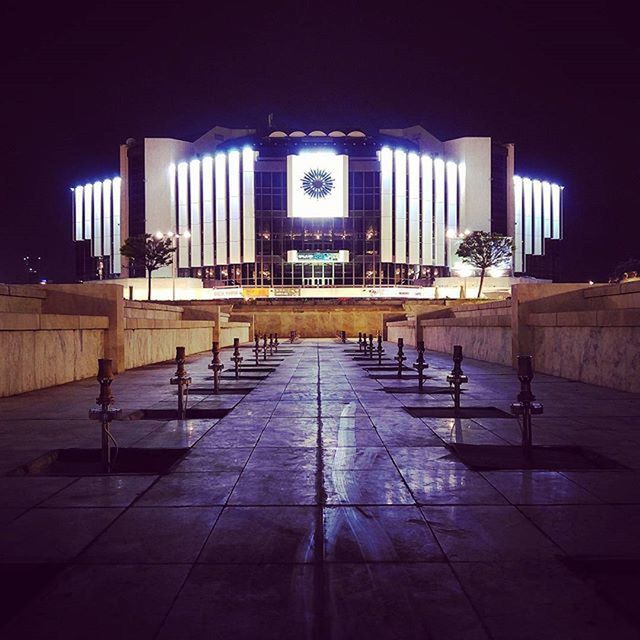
(174, 240)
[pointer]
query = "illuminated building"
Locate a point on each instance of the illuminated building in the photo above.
(314, 208)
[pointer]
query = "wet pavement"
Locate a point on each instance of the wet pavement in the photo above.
(319, 508)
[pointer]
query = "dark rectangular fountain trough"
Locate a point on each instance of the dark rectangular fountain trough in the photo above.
(393, 376)
(463, 412)
(263, 366)
(87, 462)
(208, 391)
(370, 365)
(172, 414)
(547, 458)
(424, 391)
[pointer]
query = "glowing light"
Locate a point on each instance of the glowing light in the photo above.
(317, 185)
(451, 234)
(427, 210)
(400, 166)
(386, 204)
(464, 271)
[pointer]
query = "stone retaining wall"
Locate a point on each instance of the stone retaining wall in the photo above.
(405, 329)
(43, 351)
(55, 334)
(318, 319)
(576, 331)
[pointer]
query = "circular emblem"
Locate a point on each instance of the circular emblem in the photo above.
(317, 183)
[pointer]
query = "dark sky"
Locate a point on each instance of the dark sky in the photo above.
(560, 79)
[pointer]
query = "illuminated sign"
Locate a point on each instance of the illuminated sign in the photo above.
(318, 256)
(286, 292)
(317, 185)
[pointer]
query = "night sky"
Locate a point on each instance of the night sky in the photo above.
(560, 79)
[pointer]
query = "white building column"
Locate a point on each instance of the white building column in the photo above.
(427, 210)
(386, 204)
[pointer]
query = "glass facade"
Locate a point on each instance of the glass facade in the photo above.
(277, 234)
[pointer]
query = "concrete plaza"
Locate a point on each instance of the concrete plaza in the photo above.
(319, 508)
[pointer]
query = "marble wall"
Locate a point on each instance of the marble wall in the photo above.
(489, 343)
(318, 321)
(576, 331)
(56, 334)
(33, 359)
(405, 329)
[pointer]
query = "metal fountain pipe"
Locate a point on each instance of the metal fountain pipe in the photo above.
(236, 358)
(271, 344)
(400, 357)
(183, 380)
(359, 340)
(379, 350)
(527, 405)
(256, 348)
(264, 346)
(275, 341)
(216, 366)
(343, 337)
(106, 413)
(371, 346)
(420, 365)
(457, 377)
(292, 336)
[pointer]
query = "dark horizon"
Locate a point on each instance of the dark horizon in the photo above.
(557, 79)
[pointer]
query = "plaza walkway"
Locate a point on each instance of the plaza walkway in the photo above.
(319, 508)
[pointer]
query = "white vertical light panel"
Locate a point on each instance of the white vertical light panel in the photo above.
(400, 166)
(97, 219)
(116, 187)
(248, 207)
(440, 238)
(414, 209)
(555, 211)
(78, 194)
(183, 214)
(527, 215)
(221, 209)
(427, 210)
(546, 209)
(88, 206)
(107, 235)
(538, 245)
(196, 226)
(452, 197)
(207, 211)
(386, 204)
(517, 226)
(173, 196)
(234, 207)
(462, 197)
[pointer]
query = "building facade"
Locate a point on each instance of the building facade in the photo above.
(339, 208)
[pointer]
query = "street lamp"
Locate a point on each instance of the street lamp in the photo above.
(174, 243)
